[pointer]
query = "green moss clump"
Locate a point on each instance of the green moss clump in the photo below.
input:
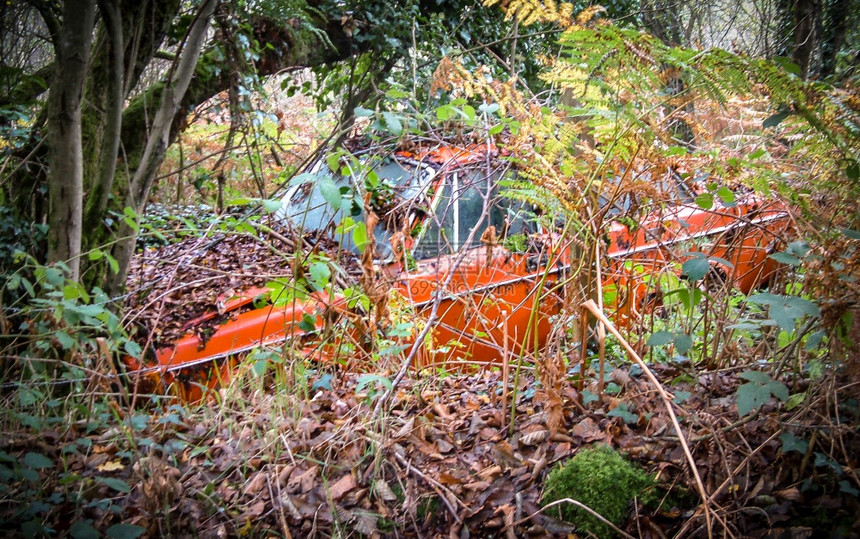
(599, 478)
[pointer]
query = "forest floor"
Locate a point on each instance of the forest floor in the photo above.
(301, 452)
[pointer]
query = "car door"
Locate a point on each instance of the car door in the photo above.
(490, 300)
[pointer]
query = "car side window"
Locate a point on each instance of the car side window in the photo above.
(458, 211)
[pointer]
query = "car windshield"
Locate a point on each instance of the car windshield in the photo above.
(326, 202)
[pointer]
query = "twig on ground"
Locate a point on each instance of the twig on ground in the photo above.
(436, 486)
(576, 503)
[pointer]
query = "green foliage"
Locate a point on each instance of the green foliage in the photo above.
(601, 479)
(758, 391)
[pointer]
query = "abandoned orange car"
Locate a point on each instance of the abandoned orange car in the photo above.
(432, 229)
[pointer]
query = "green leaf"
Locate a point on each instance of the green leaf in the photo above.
(786, 258)
(488, 108)
(794, 401)
(792, 443)
(395, 93)
(114, 265)
(14, 282)
(705, 201)
(726, 195)
(852, 171)
(323, 382)
(95, 254)
(683, 343)
(330, 192)
(271, 205)
(785, 310)
(749, 398)
(37, 461)
(814, 340)
(696, 268)
(775, 120)
(308, 323)
(260, 366)
(320, 274)
(132, 348)
(846, 487)
(83, 529)
(367, 379)
(660, 338)
(359, 236)
(758, 153)
(757, 377)
(681, 396)
(361, 112)
(445, 113)
(853, 234)
(392, 122)
(124, 531)
(787, 65)
(624, 413)
(117, 484)
(65, 340)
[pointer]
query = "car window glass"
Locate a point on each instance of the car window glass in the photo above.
(308, 204)
(450, 225)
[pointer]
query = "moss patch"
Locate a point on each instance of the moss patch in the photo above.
(599, 478)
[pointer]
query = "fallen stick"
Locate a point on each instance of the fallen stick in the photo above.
(581, 505)
(436, 486)
(667, 401)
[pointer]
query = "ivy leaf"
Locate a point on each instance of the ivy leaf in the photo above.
(790, 443)
(681, 396)
(132, 348)
(660, 338)
(37, 461)
(361, 112)
(624, 413)
(320, 274)
(117, 484)
(308, 323)
(323, 382)
(785, 310)
(758, 391)
(83, 529)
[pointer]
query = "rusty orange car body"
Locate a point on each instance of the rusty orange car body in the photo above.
(490, 300)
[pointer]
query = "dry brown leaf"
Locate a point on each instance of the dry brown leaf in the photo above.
(535, 438)
(342, 486)
(303, 482)
(383, 491)
(111, 466)
(255, 484)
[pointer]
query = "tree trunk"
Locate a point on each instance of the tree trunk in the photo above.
(159, 136)
(838, 13)
(805, 12)
(65, 178)
(114, 96)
